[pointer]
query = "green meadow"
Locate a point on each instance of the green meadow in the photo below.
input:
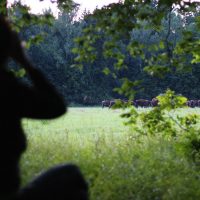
(116, 165)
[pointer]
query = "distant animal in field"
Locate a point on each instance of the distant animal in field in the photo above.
(105, 103)
(154, 102)
(142, 103)
(136, 103)
(109, 103)
(193, 103)
(113, 102)
(188, 103)
(198, 103)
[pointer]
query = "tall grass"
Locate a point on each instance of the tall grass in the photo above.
(115, 164)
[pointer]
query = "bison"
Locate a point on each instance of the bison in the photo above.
(112, 102)
(193, 103)
(154, 102)
(123, 101)
(142, 103)
(105, 103)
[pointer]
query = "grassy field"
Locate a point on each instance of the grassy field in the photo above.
(116, 166)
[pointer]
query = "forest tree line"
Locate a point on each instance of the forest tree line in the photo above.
(90, 84)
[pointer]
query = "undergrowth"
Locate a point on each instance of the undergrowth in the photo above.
(116, 164)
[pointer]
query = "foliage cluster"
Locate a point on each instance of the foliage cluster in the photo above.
(138, 53)
(159, 121)
(149, 41)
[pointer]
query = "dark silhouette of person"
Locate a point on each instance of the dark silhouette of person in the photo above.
(39, 100)
(64, 182)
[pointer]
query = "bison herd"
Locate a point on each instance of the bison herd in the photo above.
(193, 103)
(137, 103)
(145, 103)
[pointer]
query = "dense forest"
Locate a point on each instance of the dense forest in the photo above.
(55, 55)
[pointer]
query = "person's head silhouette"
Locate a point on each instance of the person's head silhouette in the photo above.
(18, 100)
(39, 101)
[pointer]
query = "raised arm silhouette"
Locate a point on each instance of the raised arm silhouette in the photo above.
(39, 100)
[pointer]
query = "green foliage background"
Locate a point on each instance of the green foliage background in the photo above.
(154, 43)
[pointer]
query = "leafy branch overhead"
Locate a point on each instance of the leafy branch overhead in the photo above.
(120, 23)
(21, 17)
